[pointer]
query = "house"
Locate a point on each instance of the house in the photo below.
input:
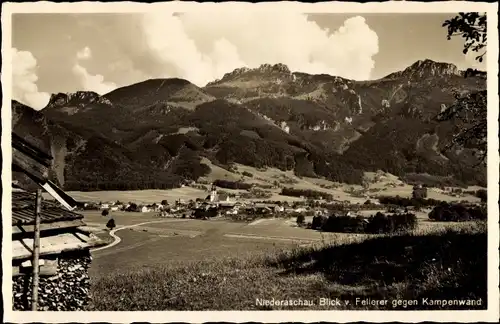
(145, 209)
(104, 206)
(64, 255)
(114, 208)
(279, 209)
(263, 209)
(419, 192)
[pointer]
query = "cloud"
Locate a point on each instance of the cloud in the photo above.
(202, 47)
(84, 54)
(91, 82)
(88, 81)
(24, 78)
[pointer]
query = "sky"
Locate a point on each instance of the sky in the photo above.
(99, 52)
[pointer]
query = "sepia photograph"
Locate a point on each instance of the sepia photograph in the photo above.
(262, 158)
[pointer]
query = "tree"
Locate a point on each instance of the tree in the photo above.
(300, 219)
(132, 207)
(105, 212)
(482, 194)
(469, 110)
(164, 202)
(111, 224)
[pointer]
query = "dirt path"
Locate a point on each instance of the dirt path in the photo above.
(117, 239)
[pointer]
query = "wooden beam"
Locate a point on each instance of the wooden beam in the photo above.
(28, 149)
(26, 164)
(20, 229)
(36, 251)
(56, 250)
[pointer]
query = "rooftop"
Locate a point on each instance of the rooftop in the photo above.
(23, 210)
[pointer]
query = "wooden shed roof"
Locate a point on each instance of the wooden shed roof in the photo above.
(23, 210)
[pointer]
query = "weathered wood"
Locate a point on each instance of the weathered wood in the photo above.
(48, 268)
(59, 194)
(20, 229)
(36, 251)
(24, 163)
(53, 245)
(73, 247)
(26, 148)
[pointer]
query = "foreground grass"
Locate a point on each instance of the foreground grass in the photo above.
(445, 264)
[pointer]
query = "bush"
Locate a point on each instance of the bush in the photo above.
(381, 223)
(482, 194)
(318, 222)
(406, 202)
(344, 224)
(232, 184)
(111, 224)
(105, 212)
(377, 224)
(457, 213)
(247, 174)
(312, 194)
(300, 219)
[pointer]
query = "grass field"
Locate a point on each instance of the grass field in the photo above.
(213, 272)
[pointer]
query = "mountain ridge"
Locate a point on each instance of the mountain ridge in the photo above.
(317, 125)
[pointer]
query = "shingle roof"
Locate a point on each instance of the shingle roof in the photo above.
(23, 210)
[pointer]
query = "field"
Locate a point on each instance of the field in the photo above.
(216, 265)
(187, 264)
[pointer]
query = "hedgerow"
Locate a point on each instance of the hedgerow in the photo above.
(376, 224)
(446, 212)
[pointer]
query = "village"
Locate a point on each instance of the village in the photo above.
(237, 208)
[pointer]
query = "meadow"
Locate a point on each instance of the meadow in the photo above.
(231, 274)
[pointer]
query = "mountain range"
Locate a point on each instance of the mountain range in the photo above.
(154, 134)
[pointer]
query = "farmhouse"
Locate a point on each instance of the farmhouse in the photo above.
(64, 255)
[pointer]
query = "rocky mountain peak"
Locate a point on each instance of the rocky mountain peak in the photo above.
(263, 69)
(427, 68)
(75, 98)
(435, 68)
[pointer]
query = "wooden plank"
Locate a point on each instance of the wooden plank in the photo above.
(55, 250)
(52, 245)
(45, 227)
(59, 194)
(36, 251)
(48, 268)
(24, 163)
(28, 149)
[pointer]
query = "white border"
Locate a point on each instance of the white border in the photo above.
(492, 314)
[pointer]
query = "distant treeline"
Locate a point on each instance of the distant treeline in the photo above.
(232, 184)
(376, 224)
(406, 202)
(307, 193)
(445, 212)
(105, 186)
